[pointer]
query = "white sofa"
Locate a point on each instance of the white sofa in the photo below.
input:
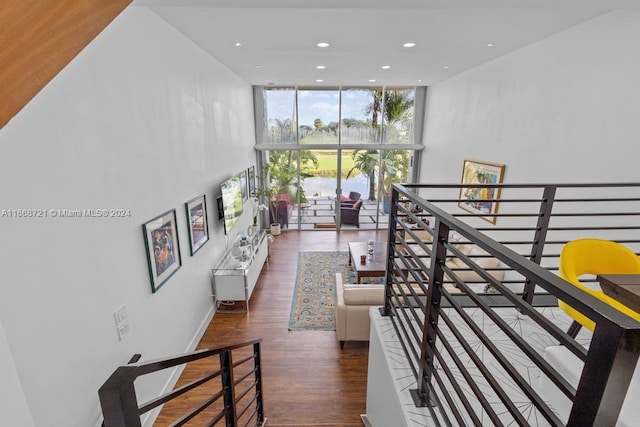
(473, 280)
(352, 309)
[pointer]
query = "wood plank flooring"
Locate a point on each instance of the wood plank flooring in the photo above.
(307, 380)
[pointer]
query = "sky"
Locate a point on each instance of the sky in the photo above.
(322, 104)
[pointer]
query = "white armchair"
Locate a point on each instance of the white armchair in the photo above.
(352, 309)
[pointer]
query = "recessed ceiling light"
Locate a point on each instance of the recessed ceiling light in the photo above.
(322, 44)
(409, 44)
(320, 67)
(489, 44)
(386, 67)
(319, 80)
(257, 66)
(372, 80)
(419, 81)
(238, 44)
(445, 67)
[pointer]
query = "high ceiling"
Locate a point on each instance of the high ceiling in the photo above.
(274, 41)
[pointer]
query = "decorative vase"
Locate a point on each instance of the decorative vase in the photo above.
(275, 229)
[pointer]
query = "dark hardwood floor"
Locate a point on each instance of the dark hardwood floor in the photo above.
(307, 380)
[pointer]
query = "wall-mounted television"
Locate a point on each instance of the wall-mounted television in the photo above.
(231, 201)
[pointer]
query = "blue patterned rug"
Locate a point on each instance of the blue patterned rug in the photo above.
(314, 300)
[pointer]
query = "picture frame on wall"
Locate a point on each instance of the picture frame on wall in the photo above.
(197, 222)
(163, 248)
(477, 199)
(243, 185)
(220, 208)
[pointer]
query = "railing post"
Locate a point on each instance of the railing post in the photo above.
(546, 207)
(259, 400)
(607, 373)
(432, 313)
(393, 219)
(118, 399)
(228, 389)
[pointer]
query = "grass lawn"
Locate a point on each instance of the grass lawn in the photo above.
(329, 163)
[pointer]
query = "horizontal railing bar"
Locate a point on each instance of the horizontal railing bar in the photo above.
(251, 416)
(524, 346)
(599, 228)
(248, 404)
(596, 214)
(519, 303)
(603, 199)
(177, 392)
(416, 336)
(170, 362)
(252, 372)
(491, 380)
(468, 378)
(198, 409)
(408, 352)
(529, 185)
(447, 396)
(498, 215)
(597, 310)
(246, 359)
(239, 396)
(217, 418)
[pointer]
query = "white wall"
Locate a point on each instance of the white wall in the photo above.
(565, 109)
(142, 120)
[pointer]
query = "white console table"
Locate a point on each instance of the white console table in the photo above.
(235, 276)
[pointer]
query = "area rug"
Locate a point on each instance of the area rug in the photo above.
(314, 300)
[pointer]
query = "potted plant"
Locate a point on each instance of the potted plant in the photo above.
(268, 192)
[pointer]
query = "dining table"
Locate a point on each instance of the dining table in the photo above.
(624, 288)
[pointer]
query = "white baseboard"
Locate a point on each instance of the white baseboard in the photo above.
(151, 416)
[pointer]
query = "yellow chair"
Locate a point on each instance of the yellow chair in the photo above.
(595, 256)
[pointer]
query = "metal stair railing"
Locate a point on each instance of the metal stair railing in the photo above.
(435, 313)
(225, 404)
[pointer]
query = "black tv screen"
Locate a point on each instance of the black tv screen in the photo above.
(231, 201)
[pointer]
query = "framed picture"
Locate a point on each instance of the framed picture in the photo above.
(478, 199)
(163, 248)
(220, 208)
(197, 222)
(251, 172)
(243, 185)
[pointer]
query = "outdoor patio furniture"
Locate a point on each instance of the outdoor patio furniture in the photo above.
(350, 215)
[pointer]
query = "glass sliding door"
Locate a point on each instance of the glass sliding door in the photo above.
(331, 146)
(317, 210)
(395, 168)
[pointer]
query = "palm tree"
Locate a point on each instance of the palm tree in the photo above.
(374, 107)
(366, 161)
(398, 106)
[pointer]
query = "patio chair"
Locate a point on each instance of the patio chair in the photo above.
(353, 197)
(595, 256)
(350, 215)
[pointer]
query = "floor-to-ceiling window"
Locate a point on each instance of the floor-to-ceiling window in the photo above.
(324, 143)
